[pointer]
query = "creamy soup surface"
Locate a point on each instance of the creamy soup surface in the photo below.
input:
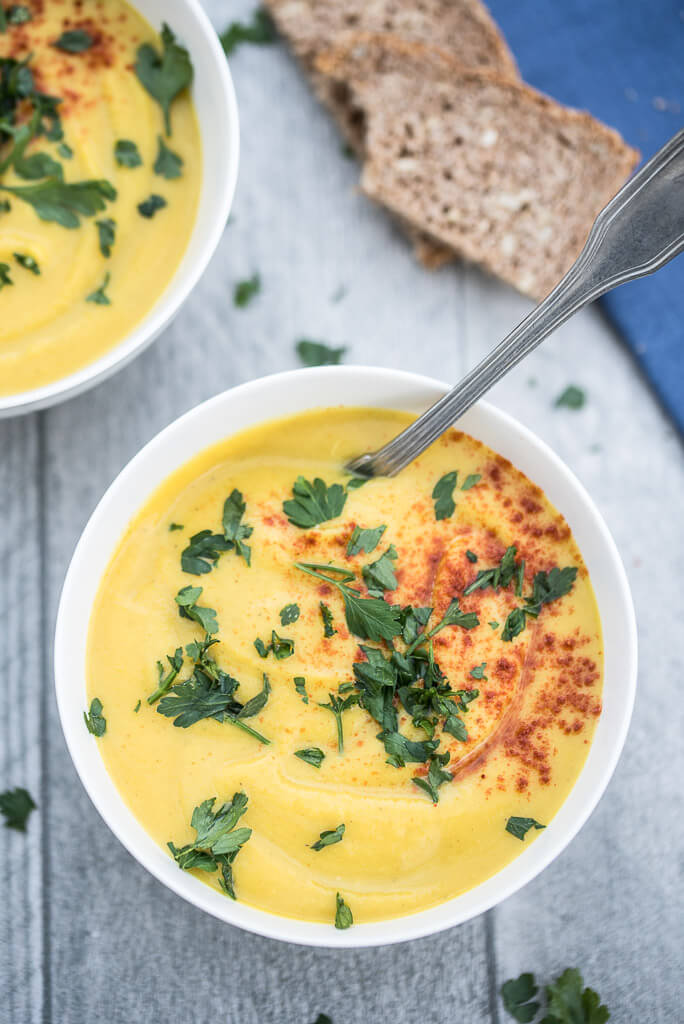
(70, 293)
(515, 680)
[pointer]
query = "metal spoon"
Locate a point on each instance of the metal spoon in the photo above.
(640, 230)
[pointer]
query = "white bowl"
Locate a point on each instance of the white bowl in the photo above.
(281, 395)
(214, 98)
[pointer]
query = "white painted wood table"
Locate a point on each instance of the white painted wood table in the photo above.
(86, 934)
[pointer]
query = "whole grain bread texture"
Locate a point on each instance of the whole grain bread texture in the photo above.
(502, 174)
(463, 29)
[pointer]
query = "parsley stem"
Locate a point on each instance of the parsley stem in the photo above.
(248, 729)
(340, 736)
(310, 569)
(164, 686)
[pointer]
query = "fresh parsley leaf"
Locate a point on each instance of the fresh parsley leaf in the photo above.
(168, 164)
(312, 755)
(106, 233)
(343, 915)
(379, 575)
(203, 552)
(355, 482)
(164, 75)
(314, 503)
(442, 494)
(478, 671)
(327, 616)
(401, 750)
(36, 166)
(300, 687)
(136, 709)
(217, 841)
(15, 807)
(74, 40)
(99, 296)
(549, 586)
(370, 618)
(5, 278)
(149, 206)
(471, 556)
(234, 530)
(165, 682)
(187, 599)
(95, 721)
(364, 540)
(18, 14)
(126, 153)
(281, 646)
(514, 624)
(27, 262)
(289, 614)
(517, 994)
(569, 1004)
(246, 290)
(258, 702)
(328, 838)
(572, 398)
(499, 575)
(323, 1018)
(519, 827)
(470, 481)
(65, 151)
(260, 30)
(494, 624)
(436, 777)
(175, 526)
(55, 200)
(315, 353)
(337, 707)
(262, 648)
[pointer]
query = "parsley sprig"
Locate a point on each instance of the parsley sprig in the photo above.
(217, 841)
(164, 75)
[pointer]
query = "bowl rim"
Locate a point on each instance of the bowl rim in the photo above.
(517, 873)
(175, 294)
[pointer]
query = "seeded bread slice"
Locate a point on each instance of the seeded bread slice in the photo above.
(459, 27)
(507, 177)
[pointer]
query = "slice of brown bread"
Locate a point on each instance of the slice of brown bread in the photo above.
(459, 27)
(507, 177)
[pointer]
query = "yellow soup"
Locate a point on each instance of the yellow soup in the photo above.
(68, 293)
(492, 718)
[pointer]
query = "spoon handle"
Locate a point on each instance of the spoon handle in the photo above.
(639, 230)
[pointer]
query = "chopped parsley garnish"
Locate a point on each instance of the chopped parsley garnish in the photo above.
(5, 206)
(343, 915)
(168, 164)
(471, 556)
(175, 660)
(442, 494)
(136, 709)
(149, 206)
(126, 153)
(65, 151)
(187, 599)
(95, 721)
(568, 1002)
(38, 165)
(106, 233)
(175, 526)
(453, 616)
(371, 618)
(572, 398)
(470, 481)
(15, 807)
(99, 296)
(203, 552)
(546, 587)
(27, 262)
(337, 707)
(312, 755)
(494, 624)
(5, 278)
(289, 614)
(315, 353)
(164, 75)
(327, 617)
(300, 687)
(478, 671)
(436, 777)
(209, 692)
(314, 503)
(234, 530)
(246, 290)
(18, 14)
(260, 30)
(328, 838)
(519, 827)
(217, 841)
(364, 540)
(500, 575)
(379, 575)
(401, 750)
(74, 40)
(281, 647)
(55, 200)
